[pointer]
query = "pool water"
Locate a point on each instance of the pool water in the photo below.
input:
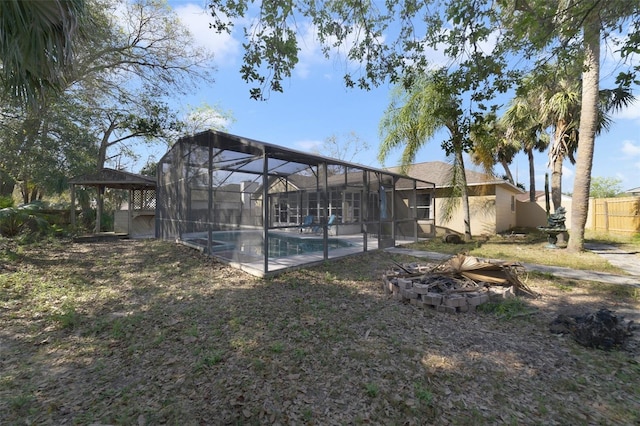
(280, 245)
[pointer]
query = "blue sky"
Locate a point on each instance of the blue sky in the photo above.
(316, 104)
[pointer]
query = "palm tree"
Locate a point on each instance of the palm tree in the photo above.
(491, 147)
(588, 127)
(524, 129)
(571, 31)
(519, 129)
(37, 44)
(546, 99)
(552, 100)
(563, 110)
(413, 117)
(560, 109)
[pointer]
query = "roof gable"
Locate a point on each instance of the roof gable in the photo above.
(115, 179)
(440, 173)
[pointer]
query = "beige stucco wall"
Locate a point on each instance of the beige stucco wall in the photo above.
(532, 215)
(506, 208)
(489, 213)
(143, 222)
(482, 210)
(492, 214)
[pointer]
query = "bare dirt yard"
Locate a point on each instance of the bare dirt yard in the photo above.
(148, 332)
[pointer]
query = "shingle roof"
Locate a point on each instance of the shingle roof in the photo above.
(116, 179)
(439, 173)
(525, 196)
(539, 196)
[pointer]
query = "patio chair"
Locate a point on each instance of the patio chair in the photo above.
(330, 222)
(307, 222)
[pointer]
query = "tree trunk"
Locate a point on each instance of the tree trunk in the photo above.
(104, 145)
(557, 154)
(464, 195)
(588, 126)
(532, 176)
(99, 209)
(34, 194)
(102, 157)
(556, 181)
(507, 171)
(24, 190)
(7, 184)
(29, 192)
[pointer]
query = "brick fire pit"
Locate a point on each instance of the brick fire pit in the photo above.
(458, 285)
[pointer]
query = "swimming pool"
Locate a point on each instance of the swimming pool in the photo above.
(280, 245)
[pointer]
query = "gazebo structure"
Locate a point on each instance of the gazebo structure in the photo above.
(138, 219)
(264, 208)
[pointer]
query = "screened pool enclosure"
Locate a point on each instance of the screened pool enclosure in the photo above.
(265, 208)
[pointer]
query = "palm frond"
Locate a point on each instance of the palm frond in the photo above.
(37, 44)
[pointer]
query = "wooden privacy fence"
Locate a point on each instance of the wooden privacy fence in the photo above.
(616, 215)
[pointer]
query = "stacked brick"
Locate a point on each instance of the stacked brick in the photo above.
(441, 293)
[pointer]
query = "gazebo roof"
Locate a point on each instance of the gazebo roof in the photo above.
(115, 179)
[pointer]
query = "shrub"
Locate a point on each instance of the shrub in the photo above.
(6, 202)
(15, 220)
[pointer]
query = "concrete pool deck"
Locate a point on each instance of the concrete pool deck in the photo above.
(281, 264)
(254, 263)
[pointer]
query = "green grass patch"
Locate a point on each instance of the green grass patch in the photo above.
(276, 347)
(68, 317)
(371, 389)
(21, 404)
(526, 248)
(506, 309)
(614, 291)
(423, 394)
(209, 360)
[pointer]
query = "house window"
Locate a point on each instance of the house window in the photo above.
(513, 203)
(423, 206)
(351, 207)
(312, 204)
(281, 212)
(335, 203)
(373, 206)
(294, 214)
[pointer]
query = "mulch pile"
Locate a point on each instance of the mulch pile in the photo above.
(602, 329)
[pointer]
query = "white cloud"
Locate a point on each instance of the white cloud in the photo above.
(568, 175)
(632, 112)
(310, 53)
(309, 145)
(203, 119)
(310, 56)
(567, 172)
(630, 149)
(610, 56)
(197, 19)
(611, 62)
(226, 48)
